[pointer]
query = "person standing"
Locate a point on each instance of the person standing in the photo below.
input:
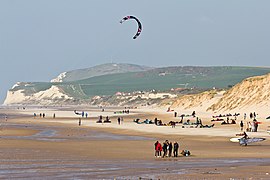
(80, 121)
(249, 127)
(241, 125)
(170, 149)
(82, 114)
(255, 125)
(164, 147)
(251, 115)
(175, 149)
(156, 149)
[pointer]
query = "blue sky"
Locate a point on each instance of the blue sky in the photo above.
(41, 38)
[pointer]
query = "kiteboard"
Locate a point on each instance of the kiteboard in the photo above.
(236, 139)
(243, 141)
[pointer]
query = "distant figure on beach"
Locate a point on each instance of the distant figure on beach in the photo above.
(249, 127)
(83, 114)
(251, 115)
(86, 114)
(164, 148)
(241, 125)
(156, 121)
(256, 124)
(170, 149)
(35, 115)
(43, 115)
(175, 149)
(193, 114)
(80, 121)
(158, 149)
(119, 120)
(175, 114)
(245, 116)
(53, 115)
(107, 120)
(40, 115)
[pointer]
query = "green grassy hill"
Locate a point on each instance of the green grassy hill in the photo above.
(158, 79)
(164, 79)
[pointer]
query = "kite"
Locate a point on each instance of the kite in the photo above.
(139, 24)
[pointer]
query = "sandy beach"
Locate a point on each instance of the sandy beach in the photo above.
(58, 148)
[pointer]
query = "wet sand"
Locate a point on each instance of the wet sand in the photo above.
(52, 148)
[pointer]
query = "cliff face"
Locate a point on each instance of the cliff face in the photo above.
(53, 95)
(252, 91)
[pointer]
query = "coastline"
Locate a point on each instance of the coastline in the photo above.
(130, 144)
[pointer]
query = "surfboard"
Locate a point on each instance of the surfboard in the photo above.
(243, 141)
(236, 139)
(246, 141)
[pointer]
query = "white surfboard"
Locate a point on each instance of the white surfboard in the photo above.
(247, 141)
(236, 139)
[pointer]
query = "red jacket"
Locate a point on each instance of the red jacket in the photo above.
(158, 147)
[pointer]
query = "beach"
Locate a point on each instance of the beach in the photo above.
(58, 148)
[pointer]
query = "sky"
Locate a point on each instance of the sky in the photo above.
(39, 39)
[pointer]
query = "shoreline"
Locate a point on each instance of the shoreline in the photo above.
(50, 141)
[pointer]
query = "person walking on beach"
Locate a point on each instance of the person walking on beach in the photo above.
(80, 121)
(119, 120)
(245, 116)
(175, 149)
(241, 125)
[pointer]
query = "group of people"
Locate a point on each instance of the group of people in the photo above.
(107, 119)
(168, 149)
(120, 120)
(40, 115)
(251, 115)
(251, 126)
